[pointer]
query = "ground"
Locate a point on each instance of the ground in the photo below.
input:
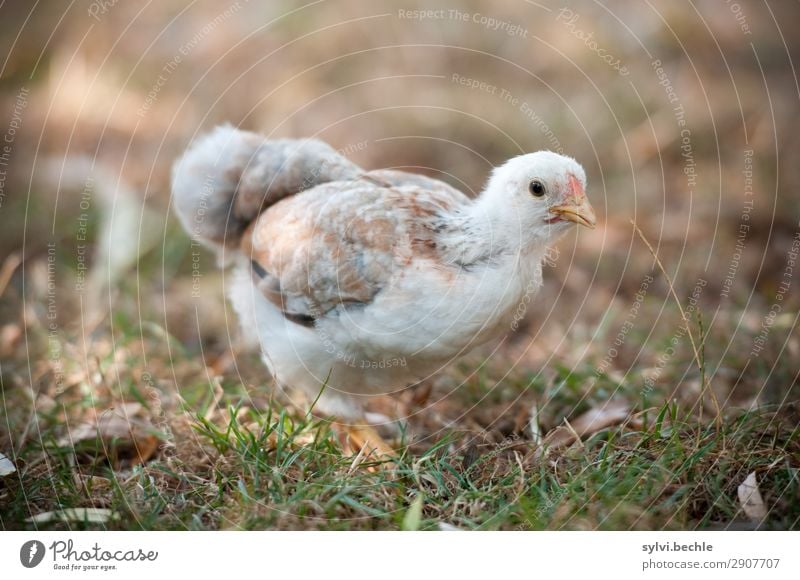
(626, 397)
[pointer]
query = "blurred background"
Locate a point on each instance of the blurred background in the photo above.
(684, 115)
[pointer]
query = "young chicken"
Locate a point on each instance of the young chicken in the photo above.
(364, 282)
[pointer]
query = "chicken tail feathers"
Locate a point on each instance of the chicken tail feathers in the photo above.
(227, 177)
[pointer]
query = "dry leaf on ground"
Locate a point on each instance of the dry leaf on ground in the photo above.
(121, 434)
(592, 421)
(92, 515)
(750, 498)
(413, 517)
(6, 466)
(533, 425)
(445, 527)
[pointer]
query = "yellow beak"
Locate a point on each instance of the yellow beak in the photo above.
(580, 212)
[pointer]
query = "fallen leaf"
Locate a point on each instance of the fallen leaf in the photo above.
(10, 336)
(7, 270)
(590, 422)
(6, 466)
(445, 527)
(750, 498)
(121, 434)
(533, 425)
(471, 455)
(413, 517)
(421, 395)
(91, 515)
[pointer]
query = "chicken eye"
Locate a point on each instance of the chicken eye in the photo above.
(537, 188)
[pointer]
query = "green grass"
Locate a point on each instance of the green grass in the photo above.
(241, 467)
